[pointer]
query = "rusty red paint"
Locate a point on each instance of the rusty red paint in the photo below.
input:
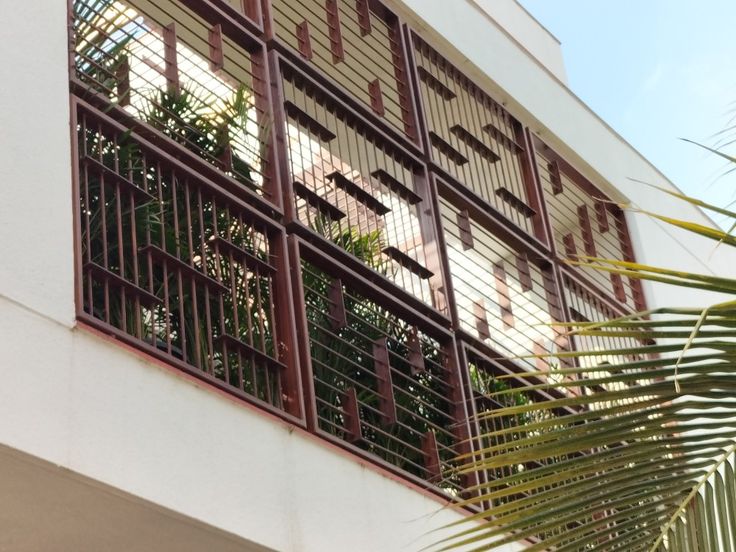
(364, 16)
(384, 381)
(304, 40)
(335, 31)
(217, 58)
(376, 96)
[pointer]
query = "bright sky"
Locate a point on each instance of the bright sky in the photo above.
(656, 70)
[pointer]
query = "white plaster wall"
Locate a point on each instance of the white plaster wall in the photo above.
(76, 400)
(35, 174)
(513, 18)
(89, 406)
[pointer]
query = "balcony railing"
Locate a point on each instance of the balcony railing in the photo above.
(357, 190)
(487, 377)
(585, 223)
(285, 232)
(503, 296)
(357, 44)
(474, 139)
(178, 265)
(179, 73)
(381, 383)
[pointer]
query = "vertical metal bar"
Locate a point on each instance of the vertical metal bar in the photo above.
(337, 314)
(628, 250)
(217, 57)
(297, 329)
(122, 76)
(431, 456)
(351, 415)
(264, 105)
(266, 10)
(210, 353)
(481, 319)
(119, 230)
(555, 179)
(335, 32)
(587, 231)
(364, 16)
(226, 156)
(304, 40)
(504, 298)
(71, 38)
(525, 276)
(541, 351)
(601, 215)
(559, 309)
(465, 229)
(618, 287)
(543, 224)
(433, 241)
(416, 356)
(251, 9)
(463, 405)
(384, 381)
(419, 122)
(171, 66)
(77, 195)
(568, 240)
(400, 60)
(376, 96)
(193, 299)
(533, 186)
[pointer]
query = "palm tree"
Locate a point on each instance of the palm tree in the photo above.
(645, 458)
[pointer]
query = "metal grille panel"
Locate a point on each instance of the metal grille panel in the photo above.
(356, 190)
(473, 138)
(503, 297)
(179, 73)
(358, 45)
(380, 382)
(176, 264)
(585, 223)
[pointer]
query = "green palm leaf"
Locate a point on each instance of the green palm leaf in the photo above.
(633, 454)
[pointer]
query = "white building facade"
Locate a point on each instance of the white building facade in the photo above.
(257, 321)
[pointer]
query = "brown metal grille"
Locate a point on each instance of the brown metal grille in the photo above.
(177, 265)
(586, 223)
(485, 379)
(380, 383)
(474, 139)
(502, 296)
(356, 190)
(586, 306)
(358, 45)
(182, 227)
(176, 71)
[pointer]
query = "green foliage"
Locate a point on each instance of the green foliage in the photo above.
(643, 461)
(173, 226)
(209, 126)
(100, 44)
(204, 129)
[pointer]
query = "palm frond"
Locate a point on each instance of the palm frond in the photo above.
(634, 452)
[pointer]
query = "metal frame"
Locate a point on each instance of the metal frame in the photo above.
(404, 80)
(253, 28)
(302, 250)
(288, 352)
